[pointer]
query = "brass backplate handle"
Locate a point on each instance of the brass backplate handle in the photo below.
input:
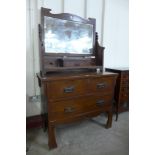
(100, 102)
(69, 89)
(101, 85)
(69, 109)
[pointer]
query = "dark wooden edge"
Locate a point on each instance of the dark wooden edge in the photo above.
(67, 16)
(48, 78)
(99, 52)
(34, 122)
(117, 70)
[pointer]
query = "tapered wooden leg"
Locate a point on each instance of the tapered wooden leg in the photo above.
(51, 137)
(44, 125)
(109, 121)
(117, 111)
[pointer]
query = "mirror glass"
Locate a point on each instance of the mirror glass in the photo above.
(64, 36)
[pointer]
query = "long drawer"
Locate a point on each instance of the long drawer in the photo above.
(67, 88)
(72, 107)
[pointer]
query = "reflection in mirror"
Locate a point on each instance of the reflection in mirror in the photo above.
(63, 36)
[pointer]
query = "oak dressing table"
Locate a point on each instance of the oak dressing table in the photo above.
(71, 89)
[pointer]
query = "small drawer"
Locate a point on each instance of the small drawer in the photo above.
(124, 95)
(125, 80)
(124, 89)
(126, 86)
(125, 76)
(101, 84)
(66, 88)
(73, 107)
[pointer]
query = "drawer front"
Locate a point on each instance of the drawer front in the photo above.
(101, 84)
(124, 96)
(125, 84)
(125, 87)
(66, 88)
(125, 76)
(73, 107)
(125, 90)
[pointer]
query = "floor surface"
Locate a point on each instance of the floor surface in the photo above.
(88, 137)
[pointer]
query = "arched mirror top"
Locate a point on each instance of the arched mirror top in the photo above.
(67, 34)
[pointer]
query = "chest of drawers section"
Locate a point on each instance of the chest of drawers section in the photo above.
(121, 90)
(124, 90)
(74, 97)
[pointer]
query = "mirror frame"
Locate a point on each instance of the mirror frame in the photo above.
(69, 17)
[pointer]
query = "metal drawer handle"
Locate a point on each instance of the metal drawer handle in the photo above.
(69, 89)
(101, 85)
(100, 102)
(69, 109)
